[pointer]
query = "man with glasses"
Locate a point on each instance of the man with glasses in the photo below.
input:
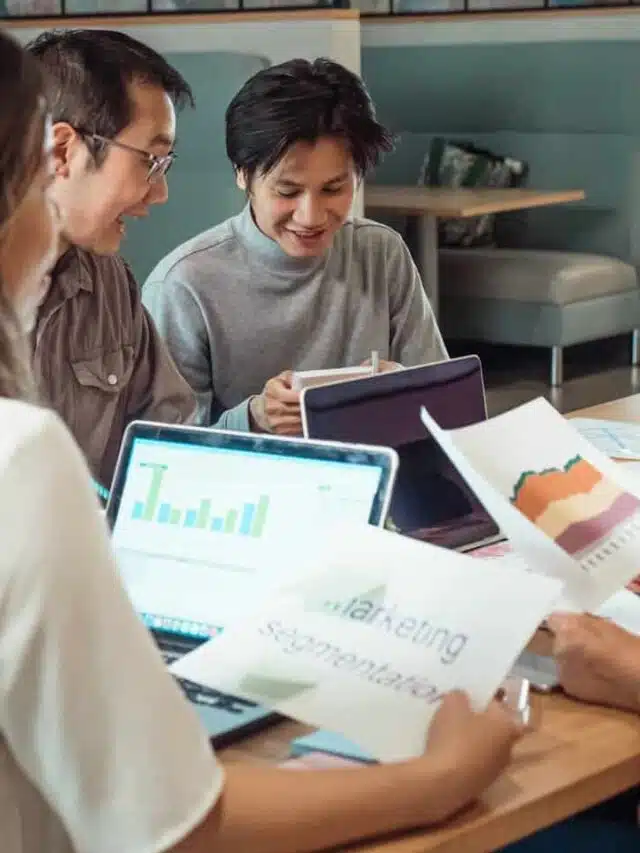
(97, 356)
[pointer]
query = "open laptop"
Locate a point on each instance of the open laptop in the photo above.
(198, 518)
(431, 501)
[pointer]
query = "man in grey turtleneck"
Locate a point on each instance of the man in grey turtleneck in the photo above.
(292, 283)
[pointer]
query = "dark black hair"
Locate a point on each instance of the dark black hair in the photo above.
(87, 73)
(301, 101)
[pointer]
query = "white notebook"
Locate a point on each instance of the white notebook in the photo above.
(310, 378)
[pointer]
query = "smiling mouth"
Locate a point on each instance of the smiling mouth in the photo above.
(121, 221)
(308, 235)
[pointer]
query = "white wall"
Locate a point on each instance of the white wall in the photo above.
(281, 38)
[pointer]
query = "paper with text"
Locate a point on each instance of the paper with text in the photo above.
(568, 509)
(368, 644)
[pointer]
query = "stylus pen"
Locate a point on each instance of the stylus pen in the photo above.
(375, 361)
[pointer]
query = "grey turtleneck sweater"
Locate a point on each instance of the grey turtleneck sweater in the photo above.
(235, 310)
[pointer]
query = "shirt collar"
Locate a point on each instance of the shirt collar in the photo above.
(269, 253)
(72, 274)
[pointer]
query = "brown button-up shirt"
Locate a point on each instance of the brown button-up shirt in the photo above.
(98, 359)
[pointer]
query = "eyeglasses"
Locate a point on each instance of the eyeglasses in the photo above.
(158, 166)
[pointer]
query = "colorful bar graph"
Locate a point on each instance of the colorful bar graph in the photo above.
(260, 517)
(153, 495)
(246, 519)
(249, 520)
(230, 521)
(203, 513)
(164, 513)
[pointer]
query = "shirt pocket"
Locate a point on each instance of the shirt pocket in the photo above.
(108, 372)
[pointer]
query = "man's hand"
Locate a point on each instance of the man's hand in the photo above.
(277, 409)
(597, 660)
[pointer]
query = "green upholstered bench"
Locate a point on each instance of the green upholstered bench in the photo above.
(538, 298)
(534, 290)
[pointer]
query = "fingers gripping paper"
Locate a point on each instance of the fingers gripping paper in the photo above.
(367, 645)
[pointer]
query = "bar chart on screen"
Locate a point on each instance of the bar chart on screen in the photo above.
(248, 519)
(201, 532)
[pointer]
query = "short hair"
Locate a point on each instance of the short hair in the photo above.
(87, 73)
(301, 101)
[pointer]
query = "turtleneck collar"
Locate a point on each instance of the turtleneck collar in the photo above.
(269, 253)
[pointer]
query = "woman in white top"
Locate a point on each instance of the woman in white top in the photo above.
(99, 751)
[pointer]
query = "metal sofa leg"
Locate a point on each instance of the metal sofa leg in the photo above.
(556, 367)
(635, 347)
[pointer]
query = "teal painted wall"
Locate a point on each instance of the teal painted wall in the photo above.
(560, 86)
(202, 189)
(570, 109)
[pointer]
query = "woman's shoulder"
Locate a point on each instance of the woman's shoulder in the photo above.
(26, 425)
(21, 418)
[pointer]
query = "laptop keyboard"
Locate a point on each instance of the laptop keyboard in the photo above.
(201, 695)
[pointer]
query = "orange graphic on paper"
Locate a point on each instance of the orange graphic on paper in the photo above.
(576, 505)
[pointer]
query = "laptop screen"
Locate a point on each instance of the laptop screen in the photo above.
(431, 501)
(199, 517)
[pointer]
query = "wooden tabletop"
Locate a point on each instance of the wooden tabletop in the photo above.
(441, 201)
(578, 756)
(624, 409)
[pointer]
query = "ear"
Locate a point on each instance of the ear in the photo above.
(65, 143)
(241, 180)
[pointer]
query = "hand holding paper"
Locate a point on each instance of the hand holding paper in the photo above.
(389, 625)
(480, 744)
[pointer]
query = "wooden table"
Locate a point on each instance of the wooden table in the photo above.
(579, 756)
(624, 409)
(429, 203)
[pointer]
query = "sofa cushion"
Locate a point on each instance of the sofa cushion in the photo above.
(532, 276)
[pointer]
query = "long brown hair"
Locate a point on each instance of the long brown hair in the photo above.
(22, 117)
